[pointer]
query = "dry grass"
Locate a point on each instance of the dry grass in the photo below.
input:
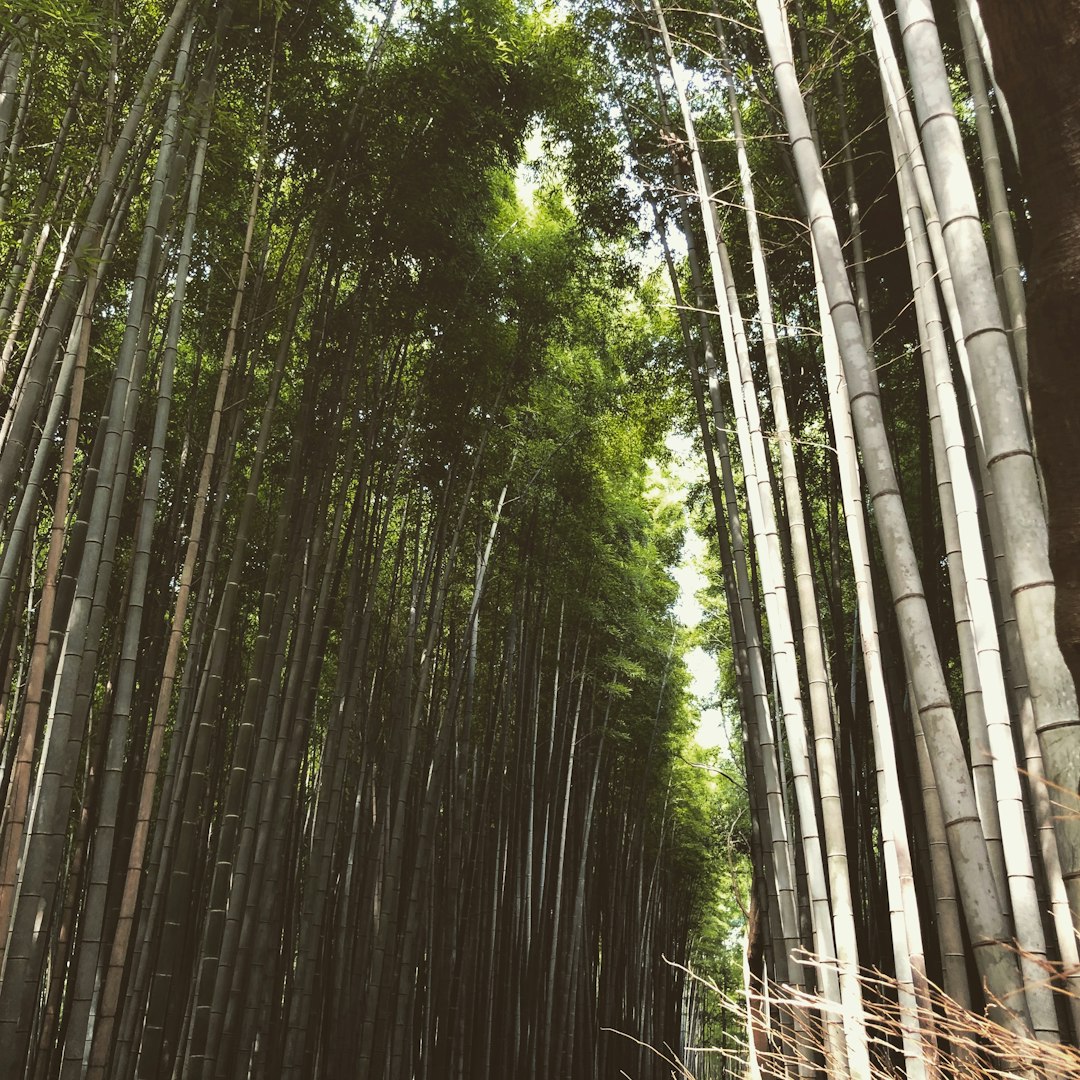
(944, 1040)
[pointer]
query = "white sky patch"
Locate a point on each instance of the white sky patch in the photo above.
(525, 178)
(685, 469)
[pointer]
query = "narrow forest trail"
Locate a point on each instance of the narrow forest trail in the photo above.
(369, 374)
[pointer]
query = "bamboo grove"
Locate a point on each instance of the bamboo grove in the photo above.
(345, 723)
(843, 180)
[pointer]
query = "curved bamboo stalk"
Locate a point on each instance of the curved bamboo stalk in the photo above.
(11, 451)
(70, 699)
(114, 974)
(997, 963)
(1001, 226)
(818, 676)
(78, 1044)
(904, 920)
(984, 49)
(1009, 456)
(763, 521)
(762, 740)
(961, 520)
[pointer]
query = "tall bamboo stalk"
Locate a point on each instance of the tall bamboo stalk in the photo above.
(981, 909)
(1010, 460)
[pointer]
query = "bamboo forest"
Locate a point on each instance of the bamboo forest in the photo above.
(539, 539)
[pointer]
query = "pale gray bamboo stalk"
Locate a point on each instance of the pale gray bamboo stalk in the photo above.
(909, 149)
(832, 899)
(947, 912)
(764, 731)
(981, 756)
(44, 188)
(1042, 804)
(13, 444)
(979, 750)
(110, 998)
(782, 882)
(24, 295)
(907, 941)
(897, 105)
(1022, 900)
(25, 369)
(19, 789)
(918, 1039)
(730, 588)
(818, 676)
(960, 518)
(858, 255)
(25, 517)
(997, 964)
(1010, 461)
(763, 521)
(900, 115)
(16, 135)
(1043, 816)
(79, 1029)
(1001, 226)
(59, 758)
(988, 60)
(9, 89)
(765, 735)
